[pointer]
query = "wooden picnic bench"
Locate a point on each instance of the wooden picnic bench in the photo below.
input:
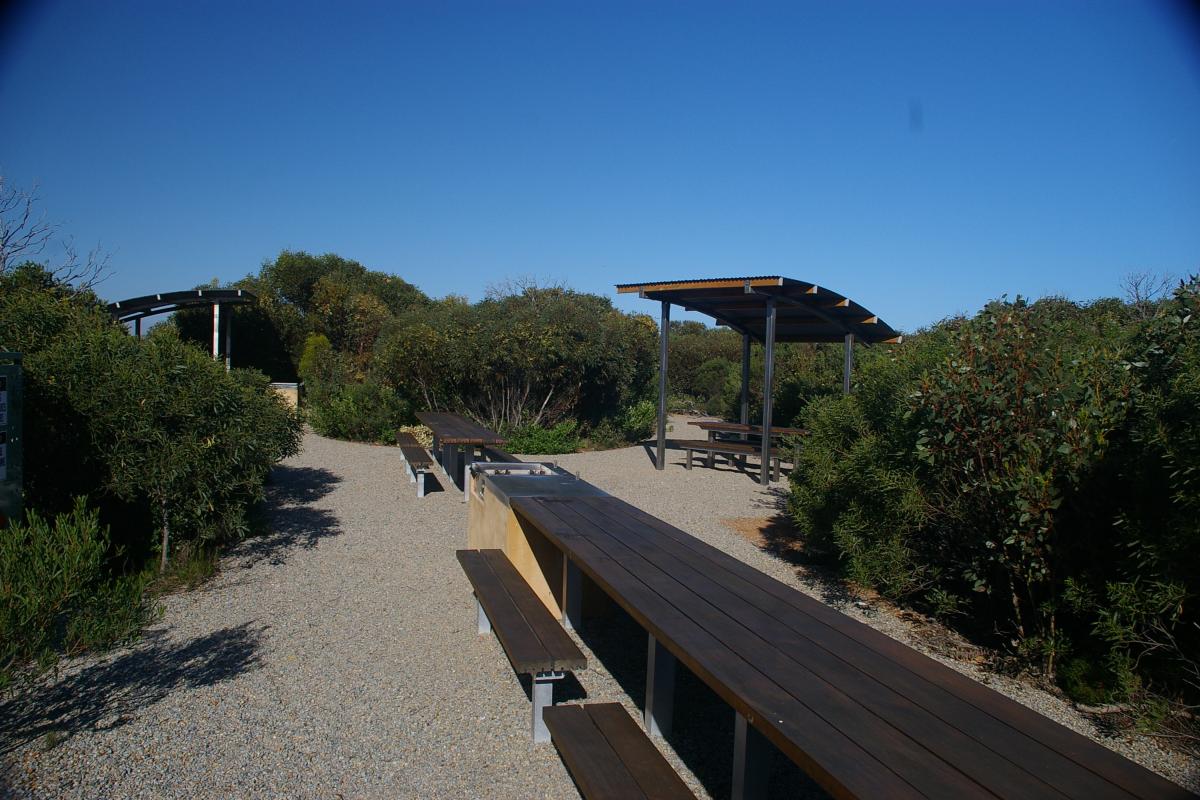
(862, 714)
(535, 642)
(416, 461)
(610, 757)
(451, 431)
(727, 448)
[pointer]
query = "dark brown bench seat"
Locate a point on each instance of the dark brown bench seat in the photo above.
(497, 455)
(610, 757)
(533, 640)
(416, 461)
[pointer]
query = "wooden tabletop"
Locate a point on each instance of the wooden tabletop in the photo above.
(864, 715)
(457, 429)
(738, 427)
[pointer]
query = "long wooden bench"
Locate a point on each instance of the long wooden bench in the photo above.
(610, 757)
(861, 713)
(711, 447)
(417, 462)
(533, 640)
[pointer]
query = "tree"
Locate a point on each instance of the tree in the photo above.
(25, 233)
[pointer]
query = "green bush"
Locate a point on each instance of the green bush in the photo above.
(638, 421)
(57, 592)
(362, 412)
(562, 438)
(169, 446)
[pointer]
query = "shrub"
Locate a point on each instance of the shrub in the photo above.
(639, 419)
(57, 593)
(160, 437)
(363, 412)
(562, 438)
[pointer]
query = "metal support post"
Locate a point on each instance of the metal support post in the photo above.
(660, 688)
(660, 461)
(848, 367)
(467, 459)
(751, 761)
(543, 696)
(449, 456)
(229, 344)
(137, 327)
(420, 484)
(572, 594)
(768, 374)
(216, 331)
(745, 418)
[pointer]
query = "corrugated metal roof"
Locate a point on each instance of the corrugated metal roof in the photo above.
(805, 312)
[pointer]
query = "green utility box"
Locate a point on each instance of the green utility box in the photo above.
(11, 460)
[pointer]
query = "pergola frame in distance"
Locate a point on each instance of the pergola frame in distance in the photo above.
(767, 309)
(138, 308)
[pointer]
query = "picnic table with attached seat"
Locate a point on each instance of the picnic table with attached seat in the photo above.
(863, 714)
(732, 448)
(451, 431)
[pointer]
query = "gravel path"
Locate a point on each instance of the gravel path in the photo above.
(337, 657)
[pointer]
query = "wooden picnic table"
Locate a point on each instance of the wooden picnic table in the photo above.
(863, 714)
(719, 426)
(451, 431)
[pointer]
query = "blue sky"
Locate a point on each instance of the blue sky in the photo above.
(920, 158)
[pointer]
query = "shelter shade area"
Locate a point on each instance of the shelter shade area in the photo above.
(766, 309)
(138, 308)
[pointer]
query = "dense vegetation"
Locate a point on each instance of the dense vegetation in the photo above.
(546, 365)
(138, 450)
(1030, 475)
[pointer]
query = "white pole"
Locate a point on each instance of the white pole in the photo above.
(216, 331)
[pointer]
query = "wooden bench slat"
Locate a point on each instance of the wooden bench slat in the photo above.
(951, 734)
(562, 653)
(589, 757)
(737, 448)
(641, 758)
(901, 753)
(858, 643)
(821, 749)
(525, 651)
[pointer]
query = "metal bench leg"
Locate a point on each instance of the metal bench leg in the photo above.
(420, 483)
(572, 595)
(543, 695)
(751, 761)
(712, 459)
(485, 624)
(689, 458)
(449, 453)
(411, 472)
(468, 458)
(660, 688)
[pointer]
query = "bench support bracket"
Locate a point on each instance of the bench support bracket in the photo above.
(660, 688)
(572, 595)
(468, 458)
(542, 696)
(751, 761)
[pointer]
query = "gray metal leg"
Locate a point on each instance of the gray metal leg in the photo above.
(420, 484)
(660, 688)
(467, 459)
(751, 761)
(449, 453)
(689, 458)
(435, 449)
(572, 599)
(411, 472)
(485, 624)
(543, 695)
(712, 459)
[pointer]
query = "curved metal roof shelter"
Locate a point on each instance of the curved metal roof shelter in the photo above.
(767, 309)
(805, 312)
(138, 308)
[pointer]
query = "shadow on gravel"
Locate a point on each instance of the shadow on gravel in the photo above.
(291, 521)
(299, 484)
(107, 694)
